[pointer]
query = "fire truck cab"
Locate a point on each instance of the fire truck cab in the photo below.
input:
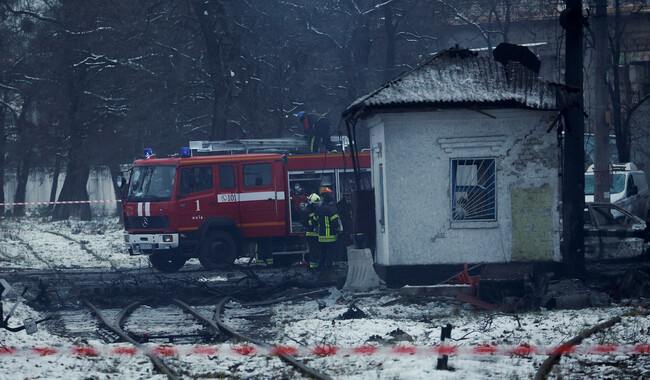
(220, 207)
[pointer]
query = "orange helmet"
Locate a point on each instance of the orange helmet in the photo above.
(326, 190)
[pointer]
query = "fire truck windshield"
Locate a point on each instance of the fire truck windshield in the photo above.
(154, 183)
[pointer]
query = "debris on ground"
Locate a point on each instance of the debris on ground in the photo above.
(376, 339)
(353, 313)
(499, 281)
(573, 294)
(475, 301)
(444, 290)
(400, 336)
(464, 278)
(635, 284)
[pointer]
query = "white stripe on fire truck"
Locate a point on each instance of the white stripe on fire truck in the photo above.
(144, 209)
(247, 197)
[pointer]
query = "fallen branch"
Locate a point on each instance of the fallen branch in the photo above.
(555, 357)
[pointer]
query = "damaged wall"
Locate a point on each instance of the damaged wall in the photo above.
(416, 149)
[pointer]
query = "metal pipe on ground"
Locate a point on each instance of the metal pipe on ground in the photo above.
(157, 363)
(287, 358)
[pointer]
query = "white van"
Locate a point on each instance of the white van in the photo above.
(629, 188)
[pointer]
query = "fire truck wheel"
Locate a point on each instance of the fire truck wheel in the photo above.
(218, 249)
(167, 262)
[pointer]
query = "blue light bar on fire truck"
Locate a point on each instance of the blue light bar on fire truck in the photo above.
(186, 152)
(147, 153)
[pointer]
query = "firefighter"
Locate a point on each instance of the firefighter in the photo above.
(326, 191)
(311, 229)
(317, 128)
(298, 199)
(264, 252)
(329, 225)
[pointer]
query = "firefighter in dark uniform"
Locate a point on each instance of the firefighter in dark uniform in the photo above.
(310, 222)
(329, 225)
(317, 128)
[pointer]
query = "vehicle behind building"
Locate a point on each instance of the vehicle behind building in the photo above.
(611, 232)
(629, 188)
(220, 207)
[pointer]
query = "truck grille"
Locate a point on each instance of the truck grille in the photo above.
(146, 222)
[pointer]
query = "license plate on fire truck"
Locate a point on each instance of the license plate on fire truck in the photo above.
(145, 246)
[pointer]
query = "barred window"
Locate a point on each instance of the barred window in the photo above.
(473, 196)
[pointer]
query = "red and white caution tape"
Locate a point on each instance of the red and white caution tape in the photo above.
(58, 202)
(252, 350)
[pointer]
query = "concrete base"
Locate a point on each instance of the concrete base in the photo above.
(361, 274)
(436, 290)
(397, 276)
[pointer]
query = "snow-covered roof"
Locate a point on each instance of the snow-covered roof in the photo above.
(448, 80)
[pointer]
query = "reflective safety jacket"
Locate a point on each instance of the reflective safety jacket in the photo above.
(329, 223)
(310, 222)
(316, 124)
(317, 128)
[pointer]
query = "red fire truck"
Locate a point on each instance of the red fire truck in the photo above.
(220, 207)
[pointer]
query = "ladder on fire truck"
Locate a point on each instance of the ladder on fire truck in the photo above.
(281, 145)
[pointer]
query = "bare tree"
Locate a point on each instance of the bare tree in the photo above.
(624, 101)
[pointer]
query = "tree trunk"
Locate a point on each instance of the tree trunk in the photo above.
(24, 166)
(55, 183)
(625, 126)
(219, 128)
(506, 24)
(222, 49)
(3, 149)
(115, 173)
(22, 177)
(360, 45)
(3, 136)
(77, 170)
(601, 135)
(74, 189)
(390, 43)
(627, 122)
(622, 138)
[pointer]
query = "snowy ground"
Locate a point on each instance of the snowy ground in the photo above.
(42, 244)
(391, 320)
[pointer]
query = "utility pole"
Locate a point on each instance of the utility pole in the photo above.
(601, 135)
(573, 177)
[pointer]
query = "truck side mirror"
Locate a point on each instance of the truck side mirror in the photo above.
(121, 184)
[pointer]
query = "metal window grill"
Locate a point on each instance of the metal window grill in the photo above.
(473, 189)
